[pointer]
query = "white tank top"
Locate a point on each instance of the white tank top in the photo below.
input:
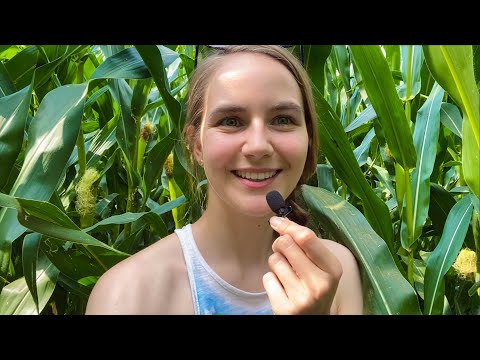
(210, 293)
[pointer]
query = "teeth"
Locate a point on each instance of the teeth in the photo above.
(255, 175)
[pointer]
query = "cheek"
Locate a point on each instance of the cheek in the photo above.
(295, 149)
(218, 148)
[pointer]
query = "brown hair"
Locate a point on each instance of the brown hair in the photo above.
(196, 106)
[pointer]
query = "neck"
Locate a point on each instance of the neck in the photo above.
(225, 236)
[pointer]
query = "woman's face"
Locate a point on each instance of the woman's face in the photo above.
(253, 137)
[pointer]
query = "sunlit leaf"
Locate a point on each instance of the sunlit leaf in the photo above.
(16, 298)
(382, 94)
(13, 116)
(445, 254)
(51, 139)
(393, 293)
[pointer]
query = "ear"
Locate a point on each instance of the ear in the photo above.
(194, 144)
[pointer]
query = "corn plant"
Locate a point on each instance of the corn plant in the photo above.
(392, 121)
(93, 168)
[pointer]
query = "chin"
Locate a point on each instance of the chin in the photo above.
(257, 211)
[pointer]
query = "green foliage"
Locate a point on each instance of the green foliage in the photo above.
(397, 179)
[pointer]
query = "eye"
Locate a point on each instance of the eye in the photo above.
(229, 122)
(283, 120)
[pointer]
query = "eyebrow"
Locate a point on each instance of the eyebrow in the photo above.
(222, 109)
(287, 105)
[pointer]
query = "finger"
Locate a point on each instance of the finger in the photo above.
(308, 242)
(307, 271)
(285, 274)
(276, 293)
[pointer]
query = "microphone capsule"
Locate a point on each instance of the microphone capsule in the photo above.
(277, 204)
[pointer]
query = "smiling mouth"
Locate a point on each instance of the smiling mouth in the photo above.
(256, 176)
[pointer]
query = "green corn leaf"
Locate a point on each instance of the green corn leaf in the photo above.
(181, 170)
(325, 177)
(124, 218)
(16, 298)
(13, 116)
(412, 61)
(451, 118)
(74, 263)
(151, 55)
(452, 66)
(101, 142)
(441, 202)
(140, 96)
(125, 132)
(21, 67)
(366, 115)
(74, 286)
(470, 157)
(361, 152)
(384, 177)
(380, 88)
(111, 50)
(392, 54)
(336, 147)
(31, 244)
(57, 55)
(445, 254)
(52, 136)
(343, 65)
(154, 163)
(425, 138)
(166, 207)
(126, 64)
(47, 219)
(393, 294)
(93, 98)
(75, 236)
(6, 84)
(157, 103)
(315, 58)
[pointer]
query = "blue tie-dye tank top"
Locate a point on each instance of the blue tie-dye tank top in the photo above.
(211, 294)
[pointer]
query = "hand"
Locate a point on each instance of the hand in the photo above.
(305, 274)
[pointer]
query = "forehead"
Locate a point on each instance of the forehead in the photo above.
(252, 77)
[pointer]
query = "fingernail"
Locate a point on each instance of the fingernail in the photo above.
(276, 221)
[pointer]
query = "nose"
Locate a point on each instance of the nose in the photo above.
(257, 142)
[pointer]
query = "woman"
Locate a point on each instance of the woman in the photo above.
(251, 125)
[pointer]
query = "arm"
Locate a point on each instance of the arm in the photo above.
(349, 297)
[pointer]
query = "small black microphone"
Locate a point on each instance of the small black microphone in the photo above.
(277, 204)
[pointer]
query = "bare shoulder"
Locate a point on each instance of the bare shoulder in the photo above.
(349, 297)
(152, 281)
(341, 252)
